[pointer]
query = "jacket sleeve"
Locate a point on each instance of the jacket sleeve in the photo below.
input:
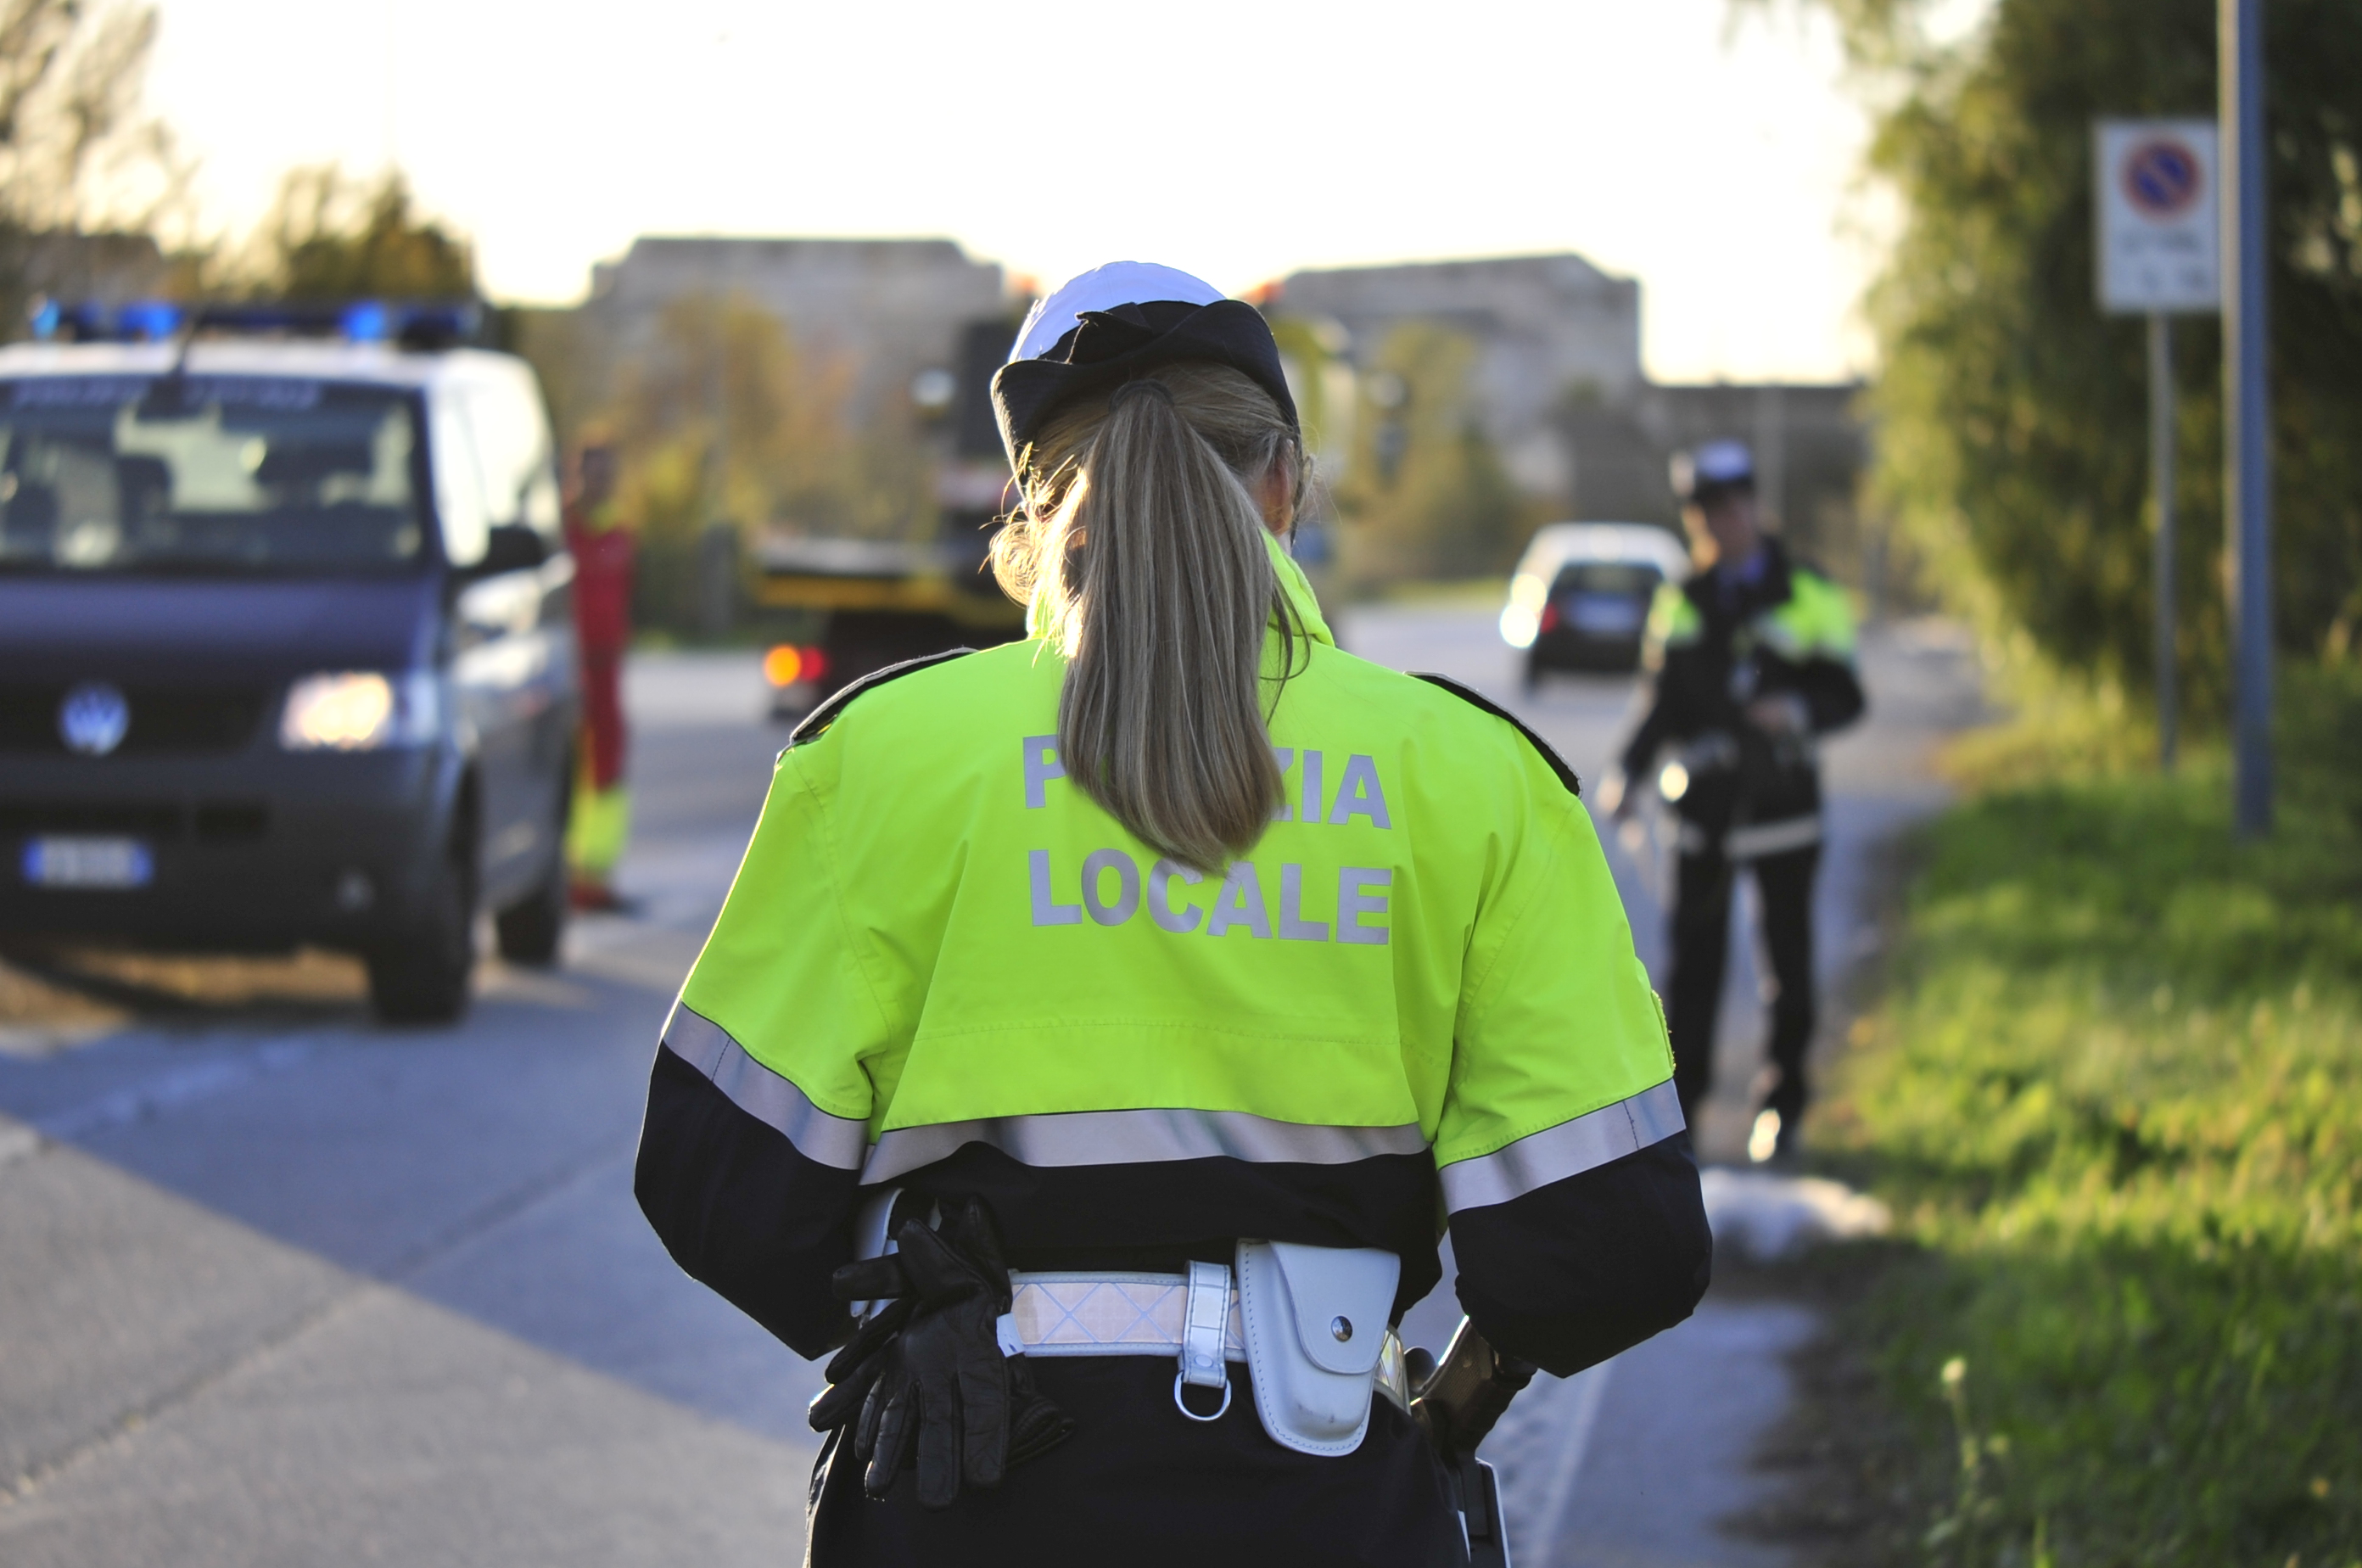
(1574, 1272)
(759, 1106)
(1647, 738)
(1673, 628)
(1832, 693)
(1824, 673)
(1573, 1198)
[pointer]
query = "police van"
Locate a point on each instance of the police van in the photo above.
(286, 644)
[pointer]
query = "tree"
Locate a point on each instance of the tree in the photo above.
(76, 155)
(1426, 494)
(750, 425)
(723, 417)
(74, 151)
(332, 237)
(2012, 413)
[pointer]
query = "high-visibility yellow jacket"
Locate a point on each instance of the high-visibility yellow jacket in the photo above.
(943, 965)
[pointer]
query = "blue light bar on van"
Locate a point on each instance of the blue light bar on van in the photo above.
(150, 319)
(366, 321)
(418, 323)
(141, 321)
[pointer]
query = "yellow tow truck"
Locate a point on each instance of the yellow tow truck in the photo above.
(859, 605)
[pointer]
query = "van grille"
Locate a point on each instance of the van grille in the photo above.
(163, 821)
(164, 720)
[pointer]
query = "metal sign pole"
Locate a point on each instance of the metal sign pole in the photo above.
(2154, 202)
(2247, 403)
(2161, 465)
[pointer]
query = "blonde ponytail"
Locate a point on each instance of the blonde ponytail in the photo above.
(1139, 540)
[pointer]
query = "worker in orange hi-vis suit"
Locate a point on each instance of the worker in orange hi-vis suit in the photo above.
(602, 619)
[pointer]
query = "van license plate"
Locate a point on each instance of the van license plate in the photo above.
(61, 862)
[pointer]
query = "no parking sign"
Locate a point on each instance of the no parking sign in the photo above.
(2158, 206)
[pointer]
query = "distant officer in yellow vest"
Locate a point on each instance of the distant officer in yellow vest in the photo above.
(1138, 1001)
(1750, 661)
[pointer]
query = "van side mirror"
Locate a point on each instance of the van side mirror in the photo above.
(513, 546)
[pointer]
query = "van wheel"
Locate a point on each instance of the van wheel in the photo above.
(530, 930)
(423, 978)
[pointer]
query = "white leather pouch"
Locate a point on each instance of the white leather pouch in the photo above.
(1316, 1321)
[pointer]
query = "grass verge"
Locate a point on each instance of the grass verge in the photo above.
(2113, 1096)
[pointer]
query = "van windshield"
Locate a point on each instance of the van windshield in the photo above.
(208, 474)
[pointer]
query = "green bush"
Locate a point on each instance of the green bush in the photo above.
(2116, 1097)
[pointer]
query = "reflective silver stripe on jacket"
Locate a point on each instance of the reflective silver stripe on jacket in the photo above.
(763, 1094)
(1758, 839)
(1568, 1149)
(1139, 1137)
(1754, 841)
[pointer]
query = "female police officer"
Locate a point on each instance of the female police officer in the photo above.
(1190, 968)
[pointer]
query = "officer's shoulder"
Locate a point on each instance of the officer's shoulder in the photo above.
(818, 721)
(1482, 703)
(1808, 585)
(1805, 567)
(1676, 599)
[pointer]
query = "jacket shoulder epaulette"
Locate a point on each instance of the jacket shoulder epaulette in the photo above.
(815, 722)
(1478, 700)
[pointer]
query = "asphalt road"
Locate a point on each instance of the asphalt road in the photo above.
(278, 1287)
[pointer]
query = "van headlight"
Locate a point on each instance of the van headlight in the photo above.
(359, 710)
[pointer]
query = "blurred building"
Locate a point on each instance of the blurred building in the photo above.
(1809, 440)
(1563, 397)
(1810, 443)
(1545, 327)
(890, 308)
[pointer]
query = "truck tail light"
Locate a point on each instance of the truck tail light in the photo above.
(786, 665)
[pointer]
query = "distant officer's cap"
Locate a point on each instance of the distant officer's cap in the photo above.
(1115, 322)
(1717, 468)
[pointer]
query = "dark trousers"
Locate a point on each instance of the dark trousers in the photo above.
(1139, 1485)
(1701, 941)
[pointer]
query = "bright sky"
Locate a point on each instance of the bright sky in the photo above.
(1714, 160)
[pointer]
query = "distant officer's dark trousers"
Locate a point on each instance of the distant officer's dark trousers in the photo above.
(1701, 941)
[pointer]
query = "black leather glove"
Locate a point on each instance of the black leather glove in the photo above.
(855, 1367)
(928, 1374)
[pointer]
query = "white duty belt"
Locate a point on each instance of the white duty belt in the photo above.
(1310, 1323)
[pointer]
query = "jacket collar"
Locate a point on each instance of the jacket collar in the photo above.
(1293, 587)
(1297, 591)
(1767, 588)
